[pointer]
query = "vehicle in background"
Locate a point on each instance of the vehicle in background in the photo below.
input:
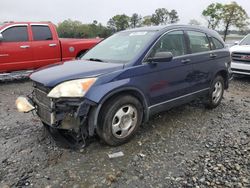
(240, 54)
(31, 45)
(128, 77)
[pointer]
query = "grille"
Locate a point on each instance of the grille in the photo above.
(241, 57)
(44, 104)
(45, 115)
(41, 97)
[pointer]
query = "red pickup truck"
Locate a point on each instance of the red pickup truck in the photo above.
(31, 45)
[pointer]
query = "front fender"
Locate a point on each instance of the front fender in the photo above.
(102, 93)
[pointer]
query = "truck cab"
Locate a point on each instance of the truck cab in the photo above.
(31, 45)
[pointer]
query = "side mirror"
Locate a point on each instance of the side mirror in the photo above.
(1, 37)
(161, 57)
(236, 42)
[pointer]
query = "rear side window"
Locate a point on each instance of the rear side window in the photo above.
(173, 42)
(198, 42)
(41, 32)
(15, 34)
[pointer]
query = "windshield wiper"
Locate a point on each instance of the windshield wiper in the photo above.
(95, 59)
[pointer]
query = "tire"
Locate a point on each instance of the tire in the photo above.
(120, 119)
(216, 92)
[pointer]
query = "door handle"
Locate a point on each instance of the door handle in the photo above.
(52, 45)
(184, 61)
(213, 55)
(24, 46)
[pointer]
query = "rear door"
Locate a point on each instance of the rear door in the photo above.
(202, 60)
(16, 49)
(46, 46)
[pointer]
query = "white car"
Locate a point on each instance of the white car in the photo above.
(241, 57)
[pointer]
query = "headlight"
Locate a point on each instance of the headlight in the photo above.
(74, 88)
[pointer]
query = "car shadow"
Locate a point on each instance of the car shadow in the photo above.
(241, 78)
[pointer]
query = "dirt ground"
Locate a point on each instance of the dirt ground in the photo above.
(188, 146)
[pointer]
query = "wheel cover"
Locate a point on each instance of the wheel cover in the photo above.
(124, 121)
(217, 92)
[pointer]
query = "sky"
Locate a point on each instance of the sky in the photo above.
(101, 10)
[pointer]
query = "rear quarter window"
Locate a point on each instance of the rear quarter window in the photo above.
(41, 33)
(217, 44)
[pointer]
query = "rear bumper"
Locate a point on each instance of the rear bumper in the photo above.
(240, 68)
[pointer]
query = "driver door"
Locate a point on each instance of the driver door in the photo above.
(15, 49)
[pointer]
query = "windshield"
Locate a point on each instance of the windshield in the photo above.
(246, 40)
(120, 48)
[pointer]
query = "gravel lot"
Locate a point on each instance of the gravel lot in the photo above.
(188, 146)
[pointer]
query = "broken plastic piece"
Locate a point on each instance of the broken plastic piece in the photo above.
(115, 155)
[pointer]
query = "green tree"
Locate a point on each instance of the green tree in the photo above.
(160, 16)
(70, 29)
(213, 14)
(173, 16)
(76, 29)
(233, 16)
(135, 20)
(119, 22)
(147, 20)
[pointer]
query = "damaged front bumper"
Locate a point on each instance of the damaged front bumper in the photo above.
(63, 113)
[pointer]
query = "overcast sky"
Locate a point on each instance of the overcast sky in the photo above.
(101, 10)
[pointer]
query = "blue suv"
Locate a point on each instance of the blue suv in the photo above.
(126, 78)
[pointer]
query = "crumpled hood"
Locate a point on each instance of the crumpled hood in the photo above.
(240, 48)
(70, 70)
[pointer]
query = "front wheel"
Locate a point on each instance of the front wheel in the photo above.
(216, 92)
(120, 118)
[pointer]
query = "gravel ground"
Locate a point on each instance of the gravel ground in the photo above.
(188, 146)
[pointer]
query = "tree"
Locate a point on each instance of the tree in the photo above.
(160, 16)
(194, 22)
(147, 20)
(173, 16)
(119, 22)
(71, 29)
(76, 29)
(135, 20)
(229, 15)
(213, 14)
(233, 15)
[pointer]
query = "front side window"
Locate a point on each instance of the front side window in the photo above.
(173, 42)
(15, 34)
(41, 33)
(198, 42)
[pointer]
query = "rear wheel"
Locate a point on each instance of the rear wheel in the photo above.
(216, 92)
(120, 118)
